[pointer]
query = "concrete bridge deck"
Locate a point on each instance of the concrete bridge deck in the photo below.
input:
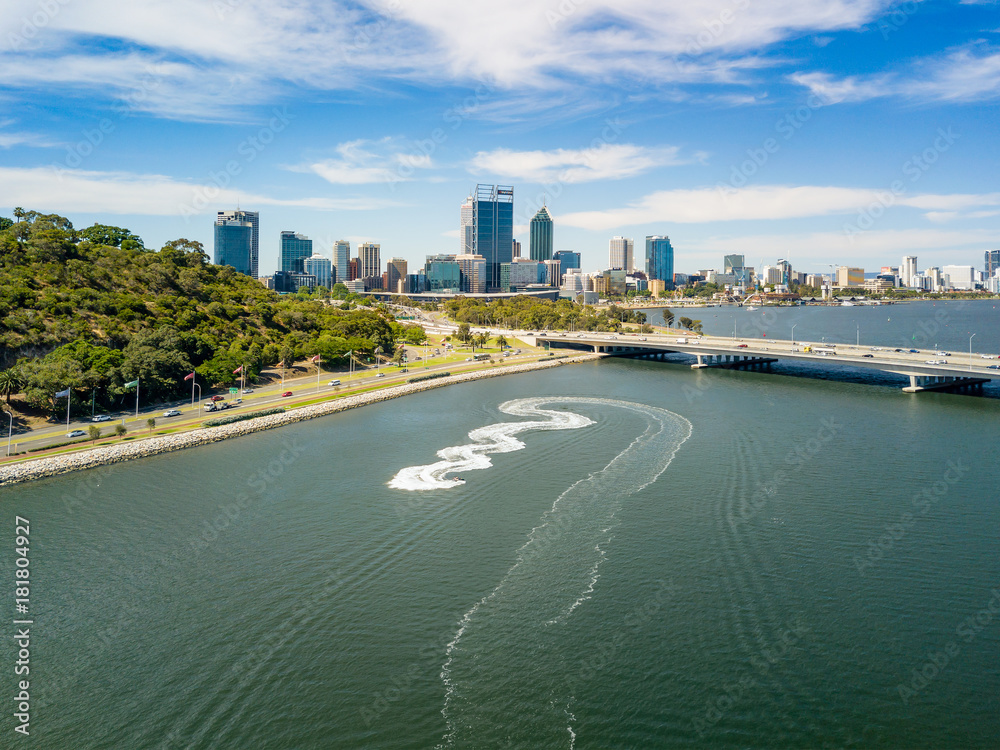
(955, 371)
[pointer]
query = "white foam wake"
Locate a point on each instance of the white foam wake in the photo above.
(494, 438)
(505, 641)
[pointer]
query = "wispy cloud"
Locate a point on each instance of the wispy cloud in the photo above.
(9, 139)
(361, 162)
(68, 190)
(608, 161)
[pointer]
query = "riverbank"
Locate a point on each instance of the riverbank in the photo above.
(110, 454)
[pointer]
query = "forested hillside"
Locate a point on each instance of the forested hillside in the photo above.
(93, 309)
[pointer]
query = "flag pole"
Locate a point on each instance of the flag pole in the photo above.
(69, 397)
(192, 392)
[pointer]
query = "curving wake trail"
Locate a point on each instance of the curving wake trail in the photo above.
(500, 668)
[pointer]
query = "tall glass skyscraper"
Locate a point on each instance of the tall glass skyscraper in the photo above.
(493, 229)
(991, 262)
(465, 241)
(660, 259)
(233, 244)
(541, 235)
(321, 268)
(342, 261)
(294, 249)
(252, 218)
(621, 254)
(567, 260)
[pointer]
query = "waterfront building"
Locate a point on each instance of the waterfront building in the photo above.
(815, 280)
(656, 287)
(293, 250)
(493, 229)
(769, 276)
(736, 265)
(621, 253)
(342, 260)
(959, 277)
(253, 219)
(473, 268)
(540, 235)
(567, 260)
(233, 243)
(908, 270)
(443, 274)
(659, 258)
(369, 265)
(321, 268)
(524, 272)
(395, 280)
(991, 263)
(848, 277)
(786, 272)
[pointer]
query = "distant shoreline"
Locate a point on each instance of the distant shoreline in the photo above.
(51, 466)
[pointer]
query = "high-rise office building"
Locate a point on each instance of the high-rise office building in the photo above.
(233, 244)
(660, 259)
(369, 265)
(908, 270)
(294, 249)
(621, 254)
(320, 267)
(992, 263)
(473, 269)
(465, 240)
(786, 272)
(736, 265)
(848, 277)
(540, 235)
(443, 274)
(342, 260)
(493, 228)
(567, 260)
(253, 218)
(395, 270)
(517, 250)
(553, 275)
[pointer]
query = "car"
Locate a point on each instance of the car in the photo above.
(334, 382)
(404, 369)
(210, 407)
(993, 367)
(935, 361)
(76, 433)
(875, 349)
(380, 375)
(286, 394)
(101, 418)
(914, 351)
(468, 359)
(248, 390)
(218, 398)
(172, 413)
(867, 356)
(986, 356)
(898, 350)
(738, 346)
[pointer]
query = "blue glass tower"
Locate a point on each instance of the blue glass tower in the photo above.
(295, 248)
(660, 259)
(234, 245)
(567, 260)
(540, 235)
(493, 229)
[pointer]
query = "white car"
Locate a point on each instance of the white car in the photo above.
(334, 382)
(101, 418)
(380, 375)
(76, 433)
(935, 361)
(171, 413)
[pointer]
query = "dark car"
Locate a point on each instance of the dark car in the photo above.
(993, 367)
(867, 356)
(914, 351)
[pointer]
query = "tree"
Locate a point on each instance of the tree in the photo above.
(5, 223)
(95, 432)
(10, 382)
(120, 430)
(415, 335)
(399, 356)
(482, 339)
(502, 341)
(464, 332)
(150, 423)
(102, 234)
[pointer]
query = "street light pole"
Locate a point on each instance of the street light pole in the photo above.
(970, 351)
(793, 334)
(859, 334)
(10, 430)
(199, 392)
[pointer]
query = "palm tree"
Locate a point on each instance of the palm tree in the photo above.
(483, 339)
(19, 213)
(10, 382)
(502, 341)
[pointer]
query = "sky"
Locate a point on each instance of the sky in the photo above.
(844, 132)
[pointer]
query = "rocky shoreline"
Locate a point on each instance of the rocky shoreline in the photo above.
(110, 454)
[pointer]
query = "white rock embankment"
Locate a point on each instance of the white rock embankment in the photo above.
(110, 454)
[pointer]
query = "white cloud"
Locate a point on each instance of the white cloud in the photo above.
(361, 162)
(9, 139)
(766, 202)
(607, 161)
(964, 75)
(72, 190)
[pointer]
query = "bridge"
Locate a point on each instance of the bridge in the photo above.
(927, 370)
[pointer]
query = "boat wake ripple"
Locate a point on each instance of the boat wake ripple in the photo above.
(502, 667)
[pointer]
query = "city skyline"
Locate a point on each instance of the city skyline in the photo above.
(849, 134)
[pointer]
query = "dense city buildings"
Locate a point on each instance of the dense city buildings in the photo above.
(465, 227)
(621, 254)
(849, 277)
(294, 249)
(233, 244)
(516, 252)
(253, 219)
(493, 229)
(659, 258)
(540, 235)
(908, 270)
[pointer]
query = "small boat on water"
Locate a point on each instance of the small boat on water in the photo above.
(751, 308)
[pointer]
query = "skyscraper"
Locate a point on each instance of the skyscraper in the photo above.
(992, 263)
(369, 265)
(342, 260)
(233, 244)
(493, 228)
(294, 249)
(660, 259)
(253, 218)
(786, 271)
(473, 268)
(736, 265)
(908, 271)
(395, 270)
(320, 267)
(517, 249)
(540, 240)
(621, 254)
(567, 260)
(465, 241)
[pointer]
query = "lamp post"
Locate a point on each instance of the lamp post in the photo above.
(199, 392)
(10, 429)
(970, 351)
(793, 334)
(859, 334)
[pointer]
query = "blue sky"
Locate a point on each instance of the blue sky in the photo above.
(822, 131)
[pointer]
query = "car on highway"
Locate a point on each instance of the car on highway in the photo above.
(867, 356)
(101, 418)
(986, 356)
(248, 390)
(334, 382)
(941, 354)
(172, 413)
(218, 398)
(380, 375)
(993, 367)
(286, 393)
(738, 346)
(914, 351)
(76, 433)
(935, 361)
